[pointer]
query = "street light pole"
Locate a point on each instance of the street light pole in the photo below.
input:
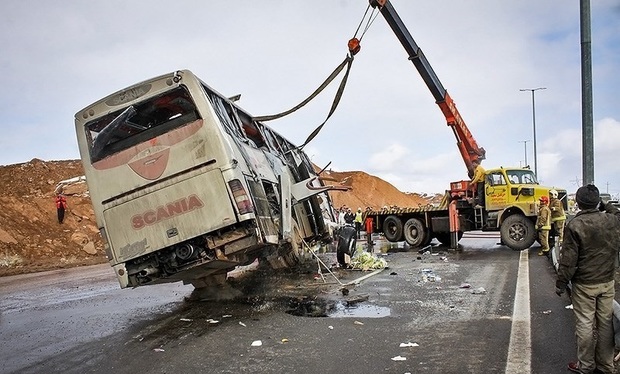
(524, 150)
(534, 124)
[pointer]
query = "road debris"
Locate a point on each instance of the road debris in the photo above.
(429, 276)
(409, 344)
(479, 291)
(399, 358)
(359, 323)
(242, 324)
(159, 350)
(465, 285)
(256, 343)
(546, 312)
(186, 319)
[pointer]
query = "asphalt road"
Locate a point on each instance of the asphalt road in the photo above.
(438, 312)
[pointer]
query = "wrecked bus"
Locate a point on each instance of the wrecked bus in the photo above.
(186, 186)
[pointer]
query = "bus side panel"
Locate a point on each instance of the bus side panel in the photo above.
(170, 215)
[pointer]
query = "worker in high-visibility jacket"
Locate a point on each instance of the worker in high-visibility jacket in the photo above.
(358, 221)
(543, 225)
(558, 217)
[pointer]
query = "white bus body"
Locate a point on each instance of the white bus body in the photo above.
(185, 185)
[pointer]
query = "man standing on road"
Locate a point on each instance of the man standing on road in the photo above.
(558, 217)
(543, 225)
(358, 222)
(588, 260)
(368, 223)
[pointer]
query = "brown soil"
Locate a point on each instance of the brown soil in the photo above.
(31, 239)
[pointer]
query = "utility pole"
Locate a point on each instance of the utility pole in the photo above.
(524, 150)
(587, 123)
(534, 124)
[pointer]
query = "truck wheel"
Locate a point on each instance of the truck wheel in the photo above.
(428, 238)
(444, 237)
(518, 232)
(414, 232)
(393, 228)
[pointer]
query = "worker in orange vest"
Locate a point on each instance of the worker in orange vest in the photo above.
(368, 223)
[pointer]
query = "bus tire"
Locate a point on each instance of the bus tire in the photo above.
(393, 228)
(347, 243)
(414, 232)
(518, 232)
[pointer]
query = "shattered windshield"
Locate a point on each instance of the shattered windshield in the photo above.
(521, 177)
(140, 122)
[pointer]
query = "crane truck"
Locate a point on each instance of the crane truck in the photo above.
(505, 200)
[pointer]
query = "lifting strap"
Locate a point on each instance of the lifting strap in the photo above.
(354, 47)
(348, 61)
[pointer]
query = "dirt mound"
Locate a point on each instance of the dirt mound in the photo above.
(31, 239)
(369, 191)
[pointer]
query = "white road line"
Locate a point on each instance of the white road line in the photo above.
(520, 349)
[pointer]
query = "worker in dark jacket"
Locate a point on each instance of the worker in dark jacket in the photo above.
(588, 260)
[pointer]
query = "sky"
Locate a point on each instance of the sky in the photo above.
(58, 57)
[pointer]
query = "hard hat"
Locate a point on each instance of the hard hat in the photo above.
(553, 194)
(544, 199)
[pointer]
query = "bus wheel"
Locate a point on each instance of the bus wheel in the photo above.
(393, 228)
(518, 232)
(295, 252)
(347, 244)
(414, 232)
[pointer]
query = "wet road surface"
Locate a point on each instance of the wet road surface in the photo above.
(441, 311)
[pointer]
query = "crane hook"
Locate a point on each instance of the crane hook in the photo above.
(354, 46)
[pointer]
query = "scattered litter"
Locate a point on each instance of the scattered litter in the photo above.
(330, 327)
(443, 258)
(617, 357)
(410, 344)
(570, 306)
(479, 291)
(393, 273)
(546, 312)
(242, 324)
(227, 316)
(429, 276)
(284, 340)
(434, 254)
(159, 350)
(257, 343)
(452, 306)
(465, 285)
(359, 323)
(185, 319)
(210, 320)
(399, 358)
